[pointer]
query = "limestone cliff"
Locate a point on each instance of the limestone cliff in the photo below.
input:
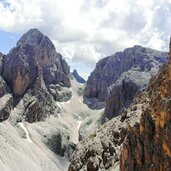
(148, 144)
(117, 79)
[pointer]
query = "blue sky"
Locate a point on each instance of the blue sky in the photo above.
(85, 31)
(7, 41)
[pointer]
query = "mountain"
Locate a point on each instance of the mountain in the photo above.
(34, 72)
(33, 79)
(138, 139)
(148, 144)
(117, 79)
(78, 77)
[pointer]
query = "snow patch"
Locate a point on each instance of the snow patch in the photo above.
(26, 131)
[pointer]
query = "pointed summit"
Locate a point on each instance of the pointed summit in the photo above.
(35, 38)
(78, 77)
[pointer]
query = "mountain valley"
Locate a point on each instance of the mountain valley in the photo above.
(51, 119)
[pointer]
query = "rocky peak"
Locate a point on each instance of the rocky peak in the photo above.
(34, 54)
(35, 38)
(78, 77)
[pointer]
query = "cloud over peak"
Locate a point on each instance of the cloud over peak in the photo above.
(87, 30)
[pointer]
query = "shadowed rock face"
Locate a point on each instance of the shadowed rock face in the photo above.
(34, 54)
(117, 79)
(20, 69)
(148, 144)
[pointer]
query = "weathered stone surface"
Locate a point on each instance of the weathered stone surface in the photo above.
(148, 144)
(111, 69)
(20, 69)
(6, 105)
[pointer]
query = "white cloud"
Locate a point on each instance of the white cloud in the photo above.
(86, 30)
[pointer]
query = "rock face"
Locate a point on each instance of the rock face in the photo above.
(118, 74)
(78, 77)
(148, 144)
(122, 93)
(6, 105)
(34, 55)
(20, 69)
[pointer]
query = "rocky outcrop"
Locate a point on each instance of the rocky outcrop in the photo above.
(122, 93)
(19, 69)
(59, 144)
(78, 77)
(148, 144)
(114, 72)
(38, 102)
(34, 54)
(60, 93)
(6, 105)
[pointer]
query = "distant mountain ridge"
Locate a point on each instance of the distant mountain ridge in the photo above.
(78, 77)
(117, 79)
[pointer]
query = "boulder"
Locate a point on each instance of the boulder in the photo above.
(6, 105)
